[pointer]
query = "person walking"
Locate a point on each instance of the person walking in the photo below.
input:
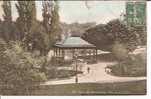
(88, 70)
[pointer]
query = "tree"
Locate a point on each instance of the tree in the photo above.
(119, 32)
(55, 23)
(47, 17)
(97, 36)
(39, 38)
(51, 20)
(141, 34)
(7, 28)
(7, 11)
(26, 19)
(105, 36)
(21, 72)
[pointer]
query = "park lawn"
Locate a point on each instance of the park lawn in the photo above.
(62, 73)
(121, 88)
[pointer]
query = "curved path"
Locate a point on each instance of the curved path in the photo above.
(97, 74)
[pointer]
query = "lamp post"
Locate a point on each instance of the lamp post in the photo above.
(76, 64)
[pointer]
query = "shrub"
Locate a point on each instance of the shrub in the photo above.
(134, 65)
(62, 73)
(19, 69)
(119, 51)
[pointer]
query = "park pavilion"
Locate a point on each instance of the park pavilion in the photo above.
(72, 46)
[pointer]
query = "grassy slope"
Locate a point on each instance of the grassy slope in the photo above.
(131, 88)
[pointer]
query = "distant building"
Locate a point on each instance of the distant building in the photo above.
(136, 14)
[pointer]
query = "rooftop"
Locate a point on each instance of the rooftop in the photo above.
(74, 42)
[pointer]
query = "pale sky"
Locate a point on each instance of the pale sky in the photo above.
(76, 11)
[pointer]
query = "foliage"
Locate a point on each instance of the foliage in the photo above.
(55, 24)
(7, 26)
(105, 36)
(141, 34)
(75, 29)
(19, 69)
(7, 10)
(39, 39)
(51, 20)
(97, 36)
(119, 51)
(26, 19)
(47, 14)
(3, 46)
(134, 65)
(62, 73)
(34, 32)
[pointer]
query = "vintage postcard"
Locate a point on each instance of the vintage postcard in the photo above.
(62, 47)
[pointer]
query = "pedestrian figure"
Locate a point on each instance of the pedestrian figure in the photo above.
(88, 69)
(76, 80)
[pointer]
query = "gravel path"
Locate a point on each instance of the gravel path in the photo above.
(97, 74)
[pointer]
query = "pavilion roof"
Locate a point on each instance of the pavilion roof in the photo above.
(74, 42)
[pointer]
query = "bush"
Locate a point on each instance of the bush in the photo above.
(134, 65)
(52, 74)
(119, 51)
(19, 69)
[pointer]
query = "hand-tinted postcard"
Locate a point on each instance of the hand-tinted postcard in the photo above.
(58, 47)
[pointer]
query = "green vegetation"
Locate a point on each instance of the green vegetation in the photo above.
(7, 27)
(119, 51)
(26, 19)
(51, 21)
(36, 35)
(76, 29)
(19, 69)
(20, 66)
(120, 40)
(105, 36)
(134, 65)
(122, 88)
(53, 73)
(141, 34)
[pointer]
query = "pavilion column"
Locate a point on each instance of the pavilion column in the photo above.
(96, 54)
(93, 54)
(90, 54)
(55, 52)
(73, 53)
(59, 52)
(85, 51)
(63, 53)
